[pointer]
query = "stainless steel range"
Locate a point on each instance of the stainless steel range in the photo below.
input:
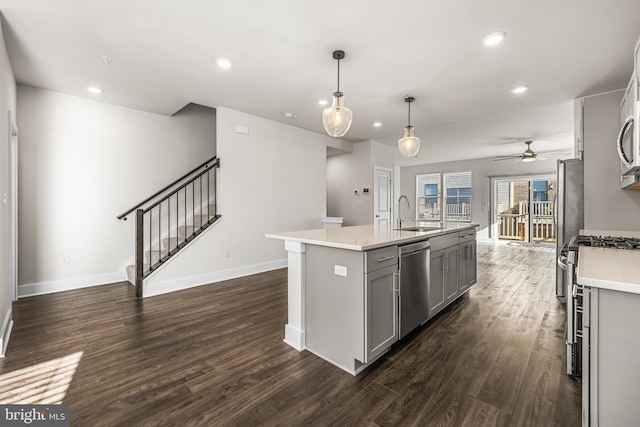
(568, 261)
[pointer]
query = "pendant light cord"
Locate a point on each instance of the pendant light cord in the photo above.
(409, 125)
(338, 76)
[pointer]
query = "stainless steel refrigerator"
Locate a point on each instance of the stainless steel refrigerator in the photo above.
(568, 213)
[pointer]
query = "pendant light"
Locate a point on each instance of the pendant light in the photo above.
(337, 118)
(409, 145)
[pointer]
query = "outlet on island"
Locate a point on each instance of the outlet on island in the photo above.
(227, 253)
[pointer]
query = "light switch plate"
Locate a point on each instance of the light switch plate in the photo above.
(340, 270)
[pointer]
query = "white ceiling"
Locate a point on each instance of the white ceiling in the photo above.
(162, 54)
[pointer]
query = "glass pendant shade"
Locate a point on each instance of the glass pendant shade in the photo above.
(409, 145)
(337, 118)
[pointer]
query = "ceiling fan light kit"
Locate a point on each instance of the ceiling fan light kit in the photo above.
(409, 144)
(337, 118)
(528, 156)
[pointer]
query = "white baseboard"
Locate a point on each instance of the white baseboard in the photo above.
(52, 286)
(7, 325)
(152, 289)
(294, 337)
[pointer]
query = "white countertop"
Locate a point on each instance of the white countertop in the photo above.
(607, 268)
(363, 237)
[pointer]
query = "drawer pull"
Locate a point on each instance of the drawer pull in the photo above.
(386, 258)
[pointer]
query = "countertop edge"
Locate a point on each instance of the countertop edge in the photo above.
(609, 285)
(413, 237)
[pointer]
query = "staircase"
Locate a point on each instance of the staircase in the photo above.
(169, 220)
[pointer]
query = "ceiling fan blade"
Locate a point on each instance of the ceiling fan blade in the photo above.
(497, 159)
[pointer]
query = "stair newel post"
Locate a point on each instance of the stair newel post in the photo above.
(139, 251)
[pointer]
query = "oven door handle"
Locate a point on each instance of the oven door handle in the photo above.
(562, 262)
(623, 156)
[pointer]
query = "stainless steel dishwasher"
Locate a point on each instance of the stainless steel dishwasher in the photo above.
(414, 281)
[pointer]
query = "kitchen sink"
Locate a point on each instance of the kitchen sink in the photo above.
(419, 228)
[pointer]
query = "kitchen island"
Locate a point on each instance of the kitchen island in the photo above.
(343, 291)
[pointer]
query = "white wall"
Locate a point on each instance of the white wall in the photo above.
(84, 162)
(351, 171)
(271, 180)
(606, 206)
(481, 172)
(7, 103)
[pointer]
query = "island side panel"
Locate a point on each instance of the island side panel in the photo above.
(335, 305)
(294, 330)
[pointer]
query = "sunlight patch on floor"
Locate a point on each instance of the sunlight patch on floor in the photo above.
(43, 383)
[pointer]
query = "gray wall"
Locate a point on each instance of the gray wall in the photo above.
(481, 172)
(606, 206)
(7, 103)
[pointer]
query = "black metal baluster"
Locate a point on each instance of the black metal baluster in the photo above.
(177, 216)
(200, 194)
(215, 192)
(208, 198)
(139, 275)
(159, 228)
(150, 234)
(193, 204)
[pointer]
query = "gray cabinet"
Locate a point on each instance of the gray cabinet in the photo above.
(467, 263)
(453, 268)
(450, 266)
(611, 343)
(381, 311)
(443, 276)
(351, 305)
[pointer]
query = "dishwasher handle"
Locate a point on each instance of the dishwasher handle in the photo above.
(412, 248)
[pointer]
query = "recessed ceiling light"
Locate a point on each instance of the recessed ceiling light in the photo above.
(520, 89)
(377, 124)
(494, 38)
(289, 115)
(95, 89)
(223, 62)
(323, 102)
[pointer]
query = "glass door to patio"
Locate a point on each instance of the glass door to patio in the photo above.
(523, 209)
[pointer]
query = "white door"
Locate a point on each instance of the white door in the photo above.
(382, 199)
(13, 209)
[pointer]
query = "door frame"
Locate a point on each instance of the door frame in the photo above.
(493, 228)
(376, 192)
(13, 207)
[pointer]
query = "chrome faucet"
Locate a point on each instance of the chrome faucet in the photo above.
(399, 212)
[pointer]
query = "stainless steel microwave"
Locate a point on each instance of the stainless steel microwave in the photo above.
(629, 138)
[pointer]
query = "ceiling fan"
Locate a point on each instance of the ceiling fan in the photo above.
(528, 156)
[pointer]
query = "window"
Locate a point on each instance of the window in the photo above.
(540, 191)
(428, 200)
(457, 205)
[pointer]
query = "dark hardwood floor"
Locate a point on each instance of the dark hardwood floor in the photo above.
(214, 356)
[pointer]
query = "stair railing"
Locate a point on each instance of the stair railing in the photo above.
(181, 212)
